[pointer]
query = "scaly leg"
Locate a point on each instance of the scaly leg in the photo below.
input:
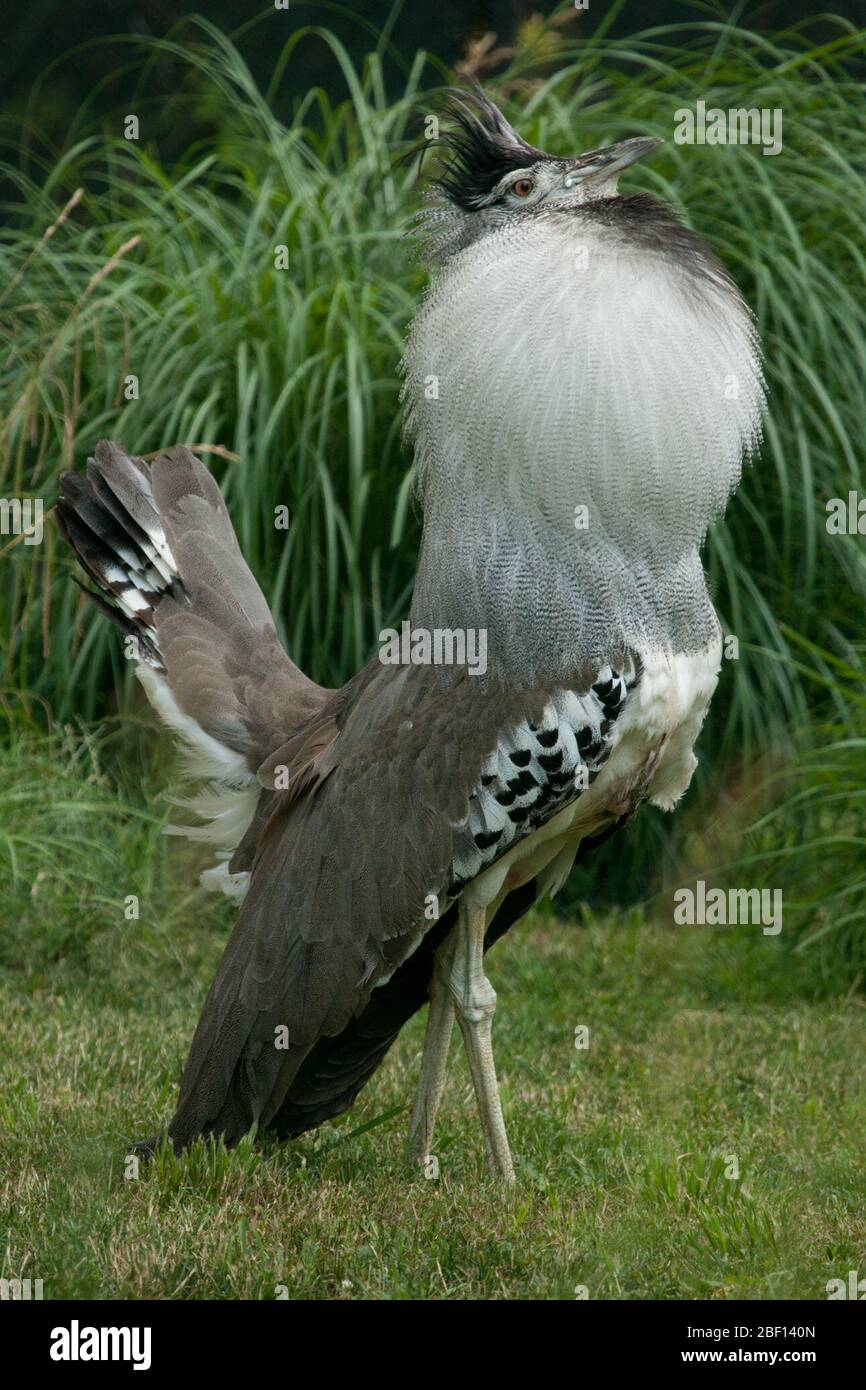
(475, 1003)
(440, 1021)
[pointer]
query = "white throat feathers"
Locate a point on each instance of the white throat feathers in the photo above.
(583, 386)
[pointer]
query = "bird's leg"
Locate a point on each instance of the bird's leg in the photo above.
(440, 1021)
(475, 1004)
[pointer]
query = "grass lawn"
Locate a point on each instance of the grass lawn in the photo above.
(702, 1046)
(708, 1142)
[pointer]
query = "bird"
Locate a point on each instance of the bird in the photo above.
(582, 387)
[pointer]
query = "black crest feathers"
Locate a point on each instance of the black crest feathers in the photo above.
(478, 148)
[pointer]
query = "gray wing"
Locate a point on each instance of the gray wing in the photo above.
(343, 872)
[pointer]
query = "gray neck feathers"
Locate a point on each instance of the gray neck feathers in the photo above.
(582, 392)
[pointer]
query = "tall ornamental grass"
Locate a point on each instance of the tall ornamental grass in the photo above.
(242, 285)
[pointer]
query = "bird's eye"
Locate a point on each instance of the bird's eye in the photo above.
(523, 187)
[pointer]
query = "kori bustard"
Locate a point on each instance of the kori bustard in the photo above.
(582, 385)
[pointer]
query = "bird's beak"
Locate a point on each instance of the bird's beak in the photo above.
(611, 159)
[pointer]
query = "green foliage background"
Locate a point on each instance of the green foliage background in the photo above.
(163, 266)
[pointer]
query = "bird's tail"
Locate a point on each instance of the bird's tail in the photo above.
(110, 519)
(159, 545)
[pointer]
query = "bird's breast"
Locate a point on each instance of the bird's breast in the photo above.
(556, 365)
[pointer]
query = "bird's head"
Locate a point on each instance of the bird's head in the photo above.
(488, 174)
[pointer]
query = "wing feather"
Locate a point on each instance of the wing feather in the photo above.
(339, 885)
